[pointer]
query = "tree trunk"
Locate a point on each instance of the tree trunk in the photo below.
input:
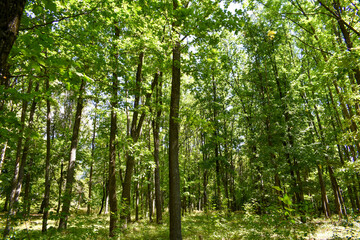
(105, 194)
(6, 204)
(3, 151)
(149, 196)
(216, 150)
(65, 212)
(61, 180)
(27, 193)
(47, 161)
(10, 17)
(174, 175)
(112, 158)
(156, 132)
(137, 199)
(205, 178)
(91, 164)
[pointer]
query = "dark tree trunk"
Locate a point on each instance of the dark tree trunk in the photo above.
(61, 180)
(324, 200)
(149, 196)
(112, 144)
(10, 17)
(216, 150)
(65, 212)
(137, 199)
(6, 204)
(105, 194)
(91, 164)
(156, 132)
(174, 125)
(27, 193)
(205, 178)
(47, 161)
(112, 157)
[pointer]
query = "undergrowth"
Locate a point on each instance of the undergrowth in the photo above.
(197, 225)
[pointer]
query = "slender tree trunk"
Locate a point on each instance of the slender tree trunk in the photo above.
(137, 199)
(27, 193)
(61, 180)
(174, 175)
(47, 161)
(205, 177)
(65, 212)
(156, 132)
(149, 196)
(107, 201)
(91, 164)
(105, 194)
(216, 150)
(3, 151)
(6, 204)
(112, 157)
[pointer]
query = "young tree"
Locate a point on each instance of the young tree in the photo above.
(70, 177)
(174, 125)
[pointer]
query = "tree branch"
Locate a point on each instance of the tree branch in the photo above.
(55, 20)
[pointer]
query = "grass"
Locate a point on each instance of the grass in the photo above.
(197, 225)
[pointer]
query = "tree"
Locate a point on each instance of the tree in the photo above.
(174, 175)
(65, 212)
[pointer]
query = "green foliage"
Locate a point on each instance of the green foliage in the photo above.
(270, 96)
(212, 225)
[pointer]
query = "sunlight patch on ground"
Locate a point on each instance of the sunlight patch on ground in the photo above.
(342, 230)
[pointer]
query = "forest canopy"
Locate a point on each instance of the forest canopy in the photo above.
(159, 109)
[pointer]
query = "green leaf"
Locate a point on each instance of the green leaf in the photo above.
(49, 4)
(277, 188)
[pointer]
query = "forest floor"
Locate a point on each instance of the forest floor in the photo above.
(197, 225)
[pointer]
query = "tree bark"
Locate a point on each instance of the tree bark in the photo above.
(3, 151)
(149, 187)
(174, 125)
(10, 17)
(61, 180)
(156, 132)
(47, 161)
(105, 195)
(216, 149)
(65, 212)
(112, 159)
(27, 193)
(91, 164)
